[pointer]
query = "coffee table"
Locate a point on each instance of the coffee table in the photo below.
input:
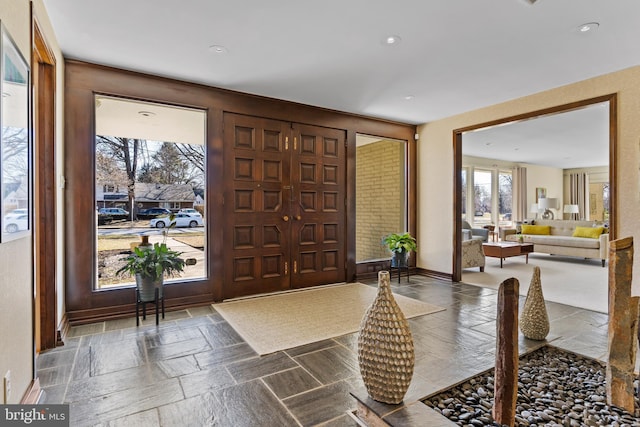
(504, 250)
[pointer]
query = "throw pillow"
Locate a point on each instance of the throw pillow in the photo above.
(588, 232)
(536, 229)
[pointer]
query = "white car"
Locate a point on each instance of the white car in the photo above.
(16, 213)
(179, 219)
(16, 223)
(190, 211)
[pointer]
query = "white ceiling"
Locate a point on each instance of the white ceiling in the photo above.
(152, 121)
(454, 56)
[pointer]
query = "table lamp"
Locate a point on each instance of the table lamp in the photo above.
(571, 209)
(548, 203)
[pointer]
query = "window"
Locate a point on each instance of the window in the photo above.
(464, 192)
(381, 194)
(505, 198)
(483, 191)
(147, 156)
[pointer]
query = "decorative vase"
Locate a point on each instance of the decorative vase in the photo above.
(385, 347)
(399, 259)
(534, 321)
(147, 287)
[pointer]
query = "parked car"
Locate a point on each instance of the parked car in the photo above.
(507, 216)
(16, 213)
(16, 223)
(114, 213)
(179, 219)
(190, 211)
(152, 213)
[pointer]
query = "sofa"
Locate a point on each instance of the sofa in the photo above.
(564, 237)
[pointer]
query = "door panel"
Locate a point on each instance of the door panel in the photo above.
(318, 206)
(284, 205)
(254, 204)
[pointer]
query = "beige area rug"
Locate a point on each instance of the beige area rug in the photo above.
(277, 322)
(572, 281)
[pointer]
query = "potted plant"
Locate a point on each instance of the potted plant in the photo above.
(400, 246)
(149, 265)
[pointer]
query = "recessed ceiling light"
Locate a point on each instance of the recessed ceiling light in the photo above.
(589, 26)
(391, 40)
(147, 113)
(216, 48)
(409, 97)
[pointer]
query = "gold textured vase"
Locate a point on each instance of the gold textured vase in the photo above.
(534, 321)
(385, 347)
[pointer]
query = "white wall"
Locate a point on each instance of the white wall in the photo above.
(16, 289)
(16, 257)
(435, 161)
(545, 177)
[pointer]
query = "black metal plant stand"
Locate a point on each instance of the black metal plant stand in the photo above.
(157, 300)
(399, 262)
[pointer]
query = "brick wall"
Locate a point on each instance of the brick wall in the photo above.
(380, 200)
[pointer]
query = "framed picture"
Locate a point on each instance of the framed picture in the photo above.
(541, 193)
(15, 142)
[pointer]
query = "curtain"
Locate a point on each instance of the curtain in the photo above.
(579, 193)
(519, 190)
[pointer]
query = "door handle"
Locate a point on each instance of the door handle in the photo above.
(285, 218)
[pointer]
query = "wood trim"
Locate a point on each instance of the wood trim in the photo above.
(350, 226)
(435, 274)
(81, 317)
(613, 165)
(82, 82)
(63, 330)
(457, 207)
(45, 258)
(33, 394)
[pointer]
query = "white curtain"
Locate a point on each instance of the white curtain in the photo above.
(579, 193)
(519, 190)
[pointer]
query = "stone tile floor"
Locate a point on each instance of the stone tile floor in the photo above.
(195, 370)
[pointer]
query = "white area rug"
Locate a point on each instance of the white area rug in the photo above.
(277, 322)
(567, 280)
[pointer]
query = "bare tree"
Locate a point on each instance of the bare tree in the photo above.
(15, 153)
(127, 152)
(195, 154)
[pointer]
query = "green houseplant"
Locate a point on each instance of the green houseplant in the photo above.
(149, 264)
(400, 246)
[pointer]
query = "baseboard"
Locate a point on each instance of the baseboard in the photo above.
(33, 393)
(81, 317)
(435, 274)
(63, 330)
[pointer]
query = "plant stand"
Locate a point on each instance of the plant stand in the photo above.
(404, 267)
(156, 300)
(399, 261)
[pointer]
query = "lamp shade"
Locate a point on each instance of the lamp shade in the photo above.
(548, 203)
(571, 209)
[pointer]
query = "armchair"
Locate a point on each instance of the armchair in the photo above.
(481, 234)
(472, 254)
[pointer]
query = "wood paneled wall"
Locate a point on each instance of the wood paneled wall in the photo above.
(83, 81)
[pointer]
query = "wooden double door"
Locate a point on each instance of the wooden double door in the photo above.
(284, 205)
